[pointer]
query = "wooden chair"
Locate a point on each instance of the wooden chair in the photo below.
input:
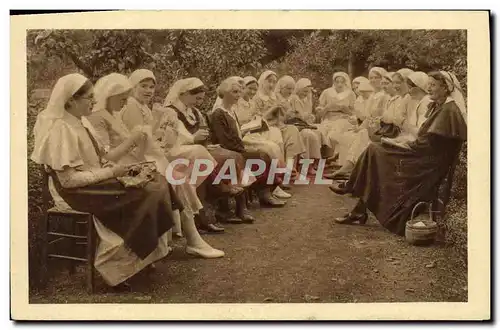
(65, 231)
(438, 203)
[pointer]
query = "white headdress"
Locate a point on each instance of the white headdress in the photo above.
(63, 90)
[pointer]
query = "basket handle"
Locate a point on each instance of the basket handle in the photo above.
(416, 207)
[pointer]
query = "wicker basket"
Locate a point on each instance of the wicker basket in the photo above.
(421, 235)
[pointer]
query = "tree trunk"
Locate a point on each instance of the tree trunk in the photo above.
(350, 65)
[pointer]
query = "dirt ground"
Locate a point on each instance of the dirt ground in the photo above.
(294, 254)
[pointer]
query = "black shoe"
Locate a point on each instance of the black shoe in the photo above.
(213, 228)
(246, 217)
(339, 188)
(227, 217)
(351, 218)
(122, 287)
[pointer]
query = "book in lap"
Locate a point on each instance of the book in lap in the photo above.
(255, 126)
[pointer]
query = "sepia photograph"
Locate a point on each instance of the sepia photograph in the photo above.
(174, 163)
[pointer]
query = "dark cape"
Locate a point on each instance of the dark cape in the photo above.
(391, 180)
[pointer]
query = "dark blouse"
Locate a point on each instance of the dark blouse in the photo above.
(224, 129)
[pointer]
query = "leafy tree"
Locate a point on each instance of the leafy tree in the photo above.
(210, 55)
(97, 53)
(321, 53)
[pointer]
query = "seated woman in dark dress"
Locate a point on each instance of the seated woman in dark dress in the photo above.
(132, 223)
(390, 178)
(226, 131)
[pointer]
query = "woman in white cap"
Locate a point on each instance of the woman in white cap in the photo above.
(363, 91)
(185, 133)
(388, 121)
(302, 112)
(356, 82)
(416, 107)
(302, 101)
(267, 103)
(358, 138)
(336, 112)
(246, 112)
(244, 109)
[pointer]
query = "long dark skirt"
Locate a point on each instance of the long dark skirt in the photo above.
(140, 216)
(390, 181)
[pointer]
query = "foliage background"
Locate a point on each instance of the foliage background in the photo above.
(213, 55)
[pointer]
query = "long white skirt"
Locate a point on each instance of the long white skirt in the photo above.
(360, 142)
(312, 142)
(115, 262)
(191, 153)
(257, 142)
(333, 129)
(292, 141)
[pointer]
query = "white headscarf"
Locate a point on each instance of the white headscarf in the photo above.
(420, 79)
(249, 79)
(141, 74)
(263, 84)
(405, 72)
(456, 92)
(180, 87)
(360, 79)
(110, 85)
(365, 86)
(239, 79)
(378, 70)
(307, 102)
(301, 84)
(63, 90)
(105, 87)
(388, 76)
(347, 79)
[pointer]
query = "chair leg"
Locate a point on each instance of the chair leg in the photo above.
(73, 245)
(90, 254)
(44, 260)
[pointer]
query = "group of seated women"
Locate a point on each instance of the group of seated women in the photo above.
(389, 138)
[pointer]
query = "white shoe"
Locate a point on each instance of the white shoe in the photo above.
(207, 253)
(279, 193)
